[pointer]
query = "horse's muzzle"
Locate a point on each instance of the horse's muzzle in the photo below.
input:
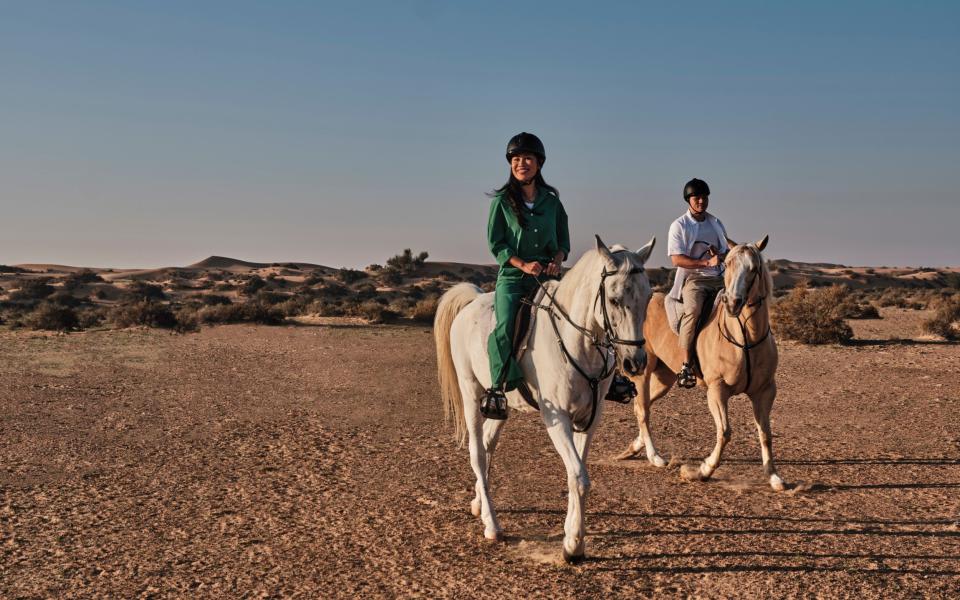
(636, 364)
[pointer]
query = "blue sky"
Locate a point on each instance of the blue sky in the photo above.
(147, 134)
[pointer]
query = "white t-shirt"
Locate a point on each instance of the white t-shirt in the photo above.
(706, 237)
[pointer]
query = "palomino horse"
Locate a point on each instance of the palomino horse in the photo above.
(592, 315)
(737, 355)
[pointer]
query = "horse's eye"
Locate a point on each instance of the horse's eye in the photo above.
(614, 302)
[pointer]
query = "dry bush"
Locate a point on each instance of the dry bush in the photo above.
(53, 317)
(75, 280)
(250, 312)
(187, 320)
(64, 298)
(140, 291)
(32, 290)
(946, 320)
(349, 276)
(812, 316)
(215, 299)
(252, 285)
(144, 312)
(90, 317)
(425, 310)
(373, 312)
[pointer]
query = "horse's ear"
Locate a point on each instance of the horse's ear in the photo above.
(605, 253)
(762, 243)
(644, 253)
(731, 243)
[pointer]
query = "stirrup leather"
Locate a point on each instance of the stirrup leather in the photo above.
(622, 390)
(685, 377)
(493, 405)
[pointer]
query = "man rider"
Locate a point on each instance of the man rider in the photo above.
(697, 244)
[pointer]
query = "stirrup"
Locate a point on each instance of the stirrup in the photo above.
(622, 390)
(685, 377)
(493, 405)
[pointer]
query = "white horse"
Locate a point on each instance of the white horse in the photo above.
(594, 314)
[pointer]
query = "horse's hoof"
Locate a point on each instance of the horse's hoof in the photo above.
(658, 461)
(572, 559)
(632, 450)
(475, 508)
(493, 536)
(691, 473)
(776, 483)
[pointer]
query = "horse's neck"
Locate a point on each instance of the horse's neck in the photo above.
(576, 299)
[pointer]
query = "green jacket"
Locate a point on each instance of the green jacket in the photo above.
(544, 235)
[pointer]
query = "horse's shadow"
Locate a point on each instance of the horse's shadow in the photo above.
(936, 530)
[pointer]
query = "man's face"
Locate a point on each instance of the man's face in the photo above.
(698, 204)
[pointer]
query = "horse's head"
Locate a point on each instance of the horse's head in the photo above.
(746, 277)
(621, 306)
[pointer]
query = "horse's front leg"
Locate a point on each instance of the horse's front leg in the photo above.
(717, 396)
(478, 460)
(578, 482)
(653, 386)
(491, 435)
(762, 404)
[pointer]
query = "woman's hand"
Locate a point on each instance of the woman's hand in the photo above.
(531, 268)
(553, 269)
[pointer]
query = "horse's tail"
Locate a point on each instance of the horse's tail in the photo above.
(451, 303)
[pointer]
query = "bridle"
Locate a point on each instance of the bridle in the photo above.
(746, 345)
(605, 345)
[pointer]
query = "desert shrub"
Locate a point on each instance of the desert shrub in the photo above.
(349, 276)
(374, 268)
(275, 281)
(332, 289)
(64, 298)
(90, 317)
(390, 277)
(373, 312)
(448, 276)
(252, 285)
(271, 298)
(140, 291)
(365, 291)
(406, 262)
(425, 310)
(75, 280)
(32, 290)
(325, 308)
(144, 312)
(187, 320)
(224, 287)
(312, 279)
(215, 299)
(100, 294)
(847, 304)
(812, 316)
(946, 320)
(252, 312)
(52, 317)
(293, 307)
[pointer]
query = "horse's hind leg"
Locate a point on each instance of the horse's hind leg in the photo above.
(478, 460)
(491, 435)
(654, 386)
(762, 404)
(717, 396)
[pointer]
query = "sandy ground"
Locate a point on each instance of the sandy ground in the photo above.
(313, 461)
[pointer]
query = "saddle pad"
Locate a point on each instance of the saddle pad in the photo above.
(674, 310)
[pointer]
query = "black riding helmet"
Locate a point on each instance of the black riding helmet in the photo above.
(695, 187)
(526, 143)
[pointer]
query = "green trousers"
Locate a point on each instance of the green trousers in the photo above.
(512, 287)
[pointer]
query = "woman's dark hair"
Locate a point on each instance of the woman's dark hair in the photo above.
(514, 194)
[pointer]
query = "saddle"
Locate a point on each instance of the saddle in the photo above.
(674, 310)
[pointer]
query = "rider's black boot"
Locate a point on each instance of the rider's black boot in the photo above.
(686, 377)
(622, 390)
(493, 405)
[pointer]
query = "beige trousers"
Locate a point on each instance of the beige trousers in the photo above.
(696, 290)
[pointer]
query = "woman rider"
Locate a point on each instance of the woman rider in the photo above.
(528, 235)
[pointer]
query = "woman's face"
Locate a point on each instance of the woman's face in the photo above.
(524, 166)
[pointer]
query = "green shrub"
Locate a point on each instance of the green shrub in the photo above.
(53, 317)
(946, 320)
(406, 262)
(812, 316)
(252, 285)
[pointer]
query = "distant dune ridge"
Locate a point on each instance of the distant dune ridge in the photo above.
(786, 273)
